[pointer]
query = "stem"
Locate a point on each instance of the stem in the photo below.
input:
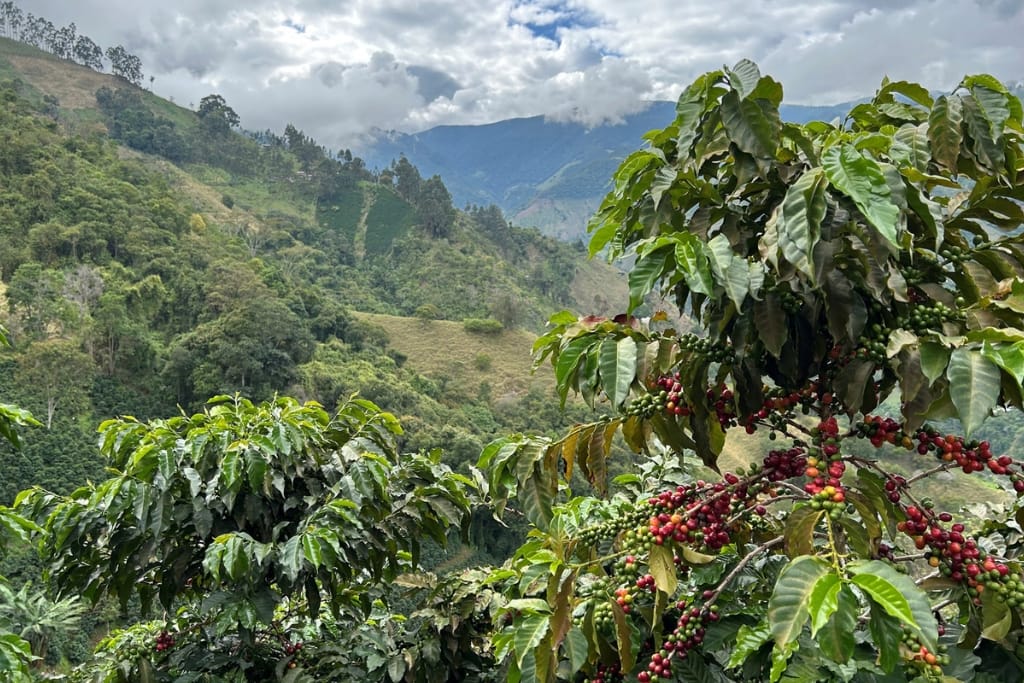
(732, 520)
(739, 567)
(909, 558)
(836, 560)
(927, 473)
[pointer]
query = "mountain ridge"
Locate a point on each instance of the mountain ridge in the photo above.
(542, 172)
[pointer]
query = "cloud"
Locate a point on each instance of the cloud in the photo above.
(340, 69)
(433, 83)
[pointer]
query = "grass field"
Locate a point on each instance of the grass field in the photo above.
(443, 349)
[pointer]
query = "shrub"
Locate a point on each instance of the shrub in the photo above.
(482, 325)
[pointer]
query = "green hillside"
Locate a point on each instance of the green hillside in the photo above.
(163, 258)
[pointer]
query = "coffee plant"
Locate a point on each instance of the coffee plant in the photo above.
(856, 285)
(251, 529)
(15, 651)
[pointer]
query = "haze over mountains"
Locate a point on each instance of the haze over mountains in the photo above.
(542, 173)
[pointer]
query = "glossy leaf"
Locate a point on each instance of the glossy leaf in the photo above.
(749, 639)
(973, 386)
(645, 275)
(824, 600)
(663, 569)
(898, 595)
(799, 531)
(753, 127)
(799, 220)
(788, 605)
(529, 632)
(836, 636)
(618, 367)
(944, 131)
(861, 179)
(692, 260)
(730, 271)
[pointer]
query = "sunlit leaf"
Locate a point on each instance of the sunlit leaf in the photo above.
(861, 179)
(973, 386)
(788, 605)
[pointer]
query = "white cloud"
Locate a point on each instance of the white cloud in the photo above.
(341, 69)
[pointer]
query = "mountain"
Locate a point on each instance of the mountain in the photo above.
(543, 173)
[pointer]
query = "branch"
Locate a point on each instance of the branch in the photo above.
(739, 567)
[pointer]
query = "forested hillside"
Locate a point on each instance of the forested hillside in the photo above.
(153, 257)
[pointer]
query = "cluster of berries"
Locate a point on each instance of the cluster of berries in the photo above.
(969, 456)
(959, 557)
(164, 641)
(714, 351)
(688, 634)
(920, 662)
(697, 514)
(606, 673)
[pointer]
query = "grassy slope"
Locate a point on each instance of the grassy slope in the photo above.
(442, 349)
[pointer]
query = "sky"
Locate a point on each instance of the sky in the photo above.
(343, 70)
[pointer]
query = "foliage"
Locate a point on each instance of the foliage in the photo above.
(15, 652)
(132, 122)
(482, 325)
(246, 516)
(36, 618)
(828, 266)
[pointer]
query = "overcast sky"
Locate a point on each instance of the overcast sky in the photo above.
(340, 68)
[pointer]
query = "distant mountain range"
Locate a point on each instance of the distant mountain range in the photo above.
(542, 173)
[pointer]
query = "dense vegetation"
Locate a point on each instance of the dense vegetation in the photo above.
(827, 269)
(133, 286)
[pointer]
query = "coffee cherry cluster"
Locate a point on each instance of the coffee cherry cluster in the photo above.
(955, 254)
(789, 301)
(969, 456)
(610, 673)
(722, 401)
(873, 343)
(687, 635)
(920, 662)
(923, 319)
(164, 641)
(894, 485)
(777, 405)
(293, 648)
(686, 516)
(882, 430)
(785, 464)
(825, 470)
(625, 520)
(671, 393)
(647, 405)
(714, 351)
(959, 557)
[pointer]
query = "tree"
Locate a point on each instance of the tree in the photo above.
(34, 298)
(125, 65)
(64, 41)
(10, 19)
(247, 521)
(36, 618)
(829, 267)
(59, 371)
(407, 179)
(216, 117)
(434, 208)
(88, 53)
